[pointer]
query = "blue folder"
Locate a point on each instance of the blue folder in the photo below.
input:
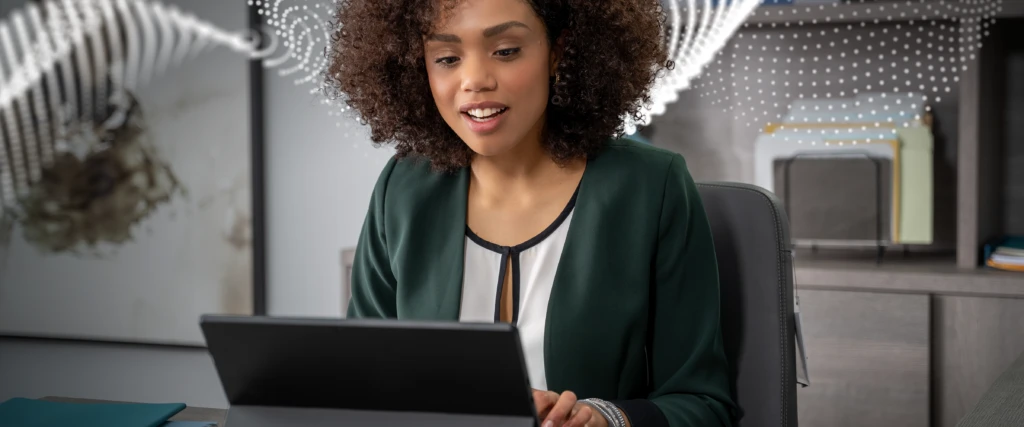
(20, 412)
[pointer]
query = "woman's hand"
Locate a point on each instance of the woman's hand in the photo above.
(562, 410)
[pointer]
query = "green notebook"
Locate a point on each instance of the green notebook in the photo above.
(20, 412)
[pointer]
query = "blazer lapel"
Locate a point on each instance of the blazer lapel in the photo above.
(570, 284)
(449, 254)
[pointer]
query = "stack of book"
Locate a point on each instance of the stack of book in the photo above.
(1006, 254)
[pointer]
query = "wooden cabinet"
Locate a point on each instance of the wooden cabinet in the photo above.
(976, 339)
(868, 359)
(907, 345)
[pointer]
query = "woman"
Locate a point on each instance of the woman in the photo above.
(510, 200)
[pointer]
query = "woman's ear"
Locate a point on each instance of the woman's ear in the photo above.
(556, 52)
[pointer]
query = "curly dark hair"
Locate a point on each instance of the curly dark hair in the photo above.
(613, 51)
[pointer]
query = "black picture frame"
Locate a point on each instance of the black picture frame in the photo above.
(258, 171)
(258, 215)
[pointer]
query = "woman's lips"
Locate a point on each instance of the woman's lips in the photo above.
(484, 120)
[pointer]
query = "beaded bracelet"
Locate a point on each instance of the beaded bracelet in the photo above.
(608, 411)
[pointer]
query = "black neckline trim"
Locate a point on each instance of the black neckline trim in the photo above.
(533, 241)
(502, 272)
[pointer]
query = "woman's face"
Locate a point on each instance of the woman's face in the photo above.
(489, 65)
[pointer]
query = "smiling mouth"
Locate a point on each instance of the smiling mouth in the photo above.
(485, 114)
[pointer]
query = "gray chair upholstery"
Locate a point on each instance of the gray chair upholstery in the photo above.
(752, 243)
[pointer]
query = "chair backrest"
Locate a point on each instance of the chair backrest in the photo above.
(752, 243)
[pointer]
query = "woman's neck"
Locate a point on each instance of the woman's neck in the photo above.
(519, 173)
(522, 162)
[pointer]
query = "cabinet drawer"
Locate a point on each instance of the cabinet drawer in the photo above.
(868, 359)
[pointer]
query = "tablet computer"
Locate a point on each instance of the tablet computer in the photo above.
(369, 372)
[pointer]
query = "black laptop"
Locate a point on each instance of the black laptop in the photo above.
(360, 372)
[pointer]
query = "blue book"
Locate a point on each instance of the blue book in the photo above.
(20, 412)
(1011, 246)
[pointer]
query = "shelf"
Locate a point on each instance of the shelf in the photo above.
(872, 12)
(926, 275)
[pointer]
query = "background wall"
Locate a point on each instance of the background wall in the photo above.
(319, 178)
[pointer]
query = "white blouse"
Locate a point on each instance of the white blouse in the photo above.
(534, 264)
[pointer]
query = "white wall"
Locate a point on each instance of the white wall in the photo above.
(319, 178)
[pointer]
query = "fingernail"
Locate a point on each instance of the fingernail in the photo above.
(549, 424)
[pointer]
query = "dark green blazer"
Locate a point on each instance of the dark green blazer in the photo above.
(634, 310)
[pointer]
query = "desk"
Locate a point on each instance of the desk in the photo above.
(190, 413)
(1003, 403)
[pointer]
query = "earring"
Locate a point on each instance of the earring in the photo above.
(557, 99)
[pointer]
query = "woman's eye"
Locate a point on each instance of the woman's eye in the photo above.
(446, 61)
(508, 52)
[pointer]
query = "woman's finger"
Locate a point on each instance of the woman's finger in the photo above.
(581, 416)
(544, 401)
(560, 412)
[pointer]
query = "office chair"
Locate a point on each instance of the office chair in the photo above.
(751, 235)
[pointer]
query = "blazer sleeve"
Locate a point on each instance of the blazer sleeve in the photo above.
(689, 370)
(373, 281)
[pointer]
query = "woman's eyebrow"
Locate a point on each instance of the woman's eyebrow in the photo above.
(444, 38)
(501, 28)
(488, 32)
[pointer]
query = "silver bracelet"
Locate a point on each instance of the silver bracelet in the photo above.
(601, 409)
(609, 411)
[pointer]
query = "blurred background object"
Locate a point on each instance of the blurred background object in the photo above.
(125, 146)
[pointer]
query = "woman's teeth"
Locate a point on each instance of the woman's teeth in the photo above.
(485, 113)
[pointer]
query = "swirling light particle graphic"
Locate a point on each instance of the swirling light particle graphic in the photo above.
(693, 43)
(296, 35)
(300, 31)
(873, 67)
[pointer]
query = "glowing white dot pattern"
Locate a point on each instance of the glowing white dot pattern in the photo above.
(692, 45)
(300, 30)
(856, 75)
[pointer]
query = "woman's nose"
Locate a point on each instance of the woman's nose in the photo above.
(477, 76)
